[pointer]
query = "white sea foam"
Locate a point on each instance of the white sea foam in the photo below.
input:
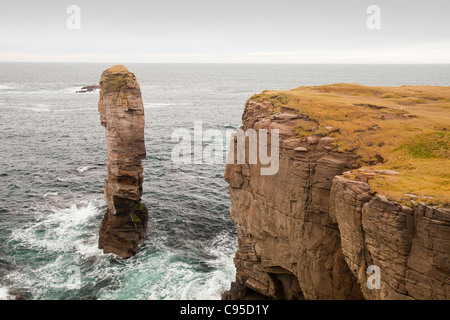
(210, 286)
(64, 234)
(74, 89)
(59, 231)
(50, 194)
(71, 90)
(83, 169)
(6, 87)
(165, 274)
(4, 294)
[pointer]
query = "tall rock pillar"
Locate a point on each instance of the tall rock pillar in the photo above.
(122, 114)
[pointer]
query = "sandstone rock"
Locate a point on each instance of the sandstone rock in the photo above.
(285, 129)
(325, 143)
(375, 231)
(365, 175)
(309, 233)
(312, 140)
(288, 245)
(291, 143)
(122, 114)
(300, 149)
(285, 116)
(386, 172)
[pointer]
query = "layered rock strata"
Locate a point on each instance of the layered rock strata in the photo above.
(311, 232)
(121, 111)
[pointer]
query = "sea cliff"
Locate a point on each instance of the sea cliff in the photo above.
(363, 183)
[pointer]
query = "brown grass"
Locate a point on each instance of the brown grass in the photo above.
(406, 129)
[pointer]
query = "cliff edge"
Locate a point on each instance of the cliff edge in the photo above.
(359, 207)
(122, 114)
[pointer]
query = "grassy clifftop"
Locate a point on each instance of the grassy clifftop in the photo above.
(405, 129)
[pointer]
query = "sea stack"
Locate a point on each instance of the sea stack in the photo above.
(122, 114)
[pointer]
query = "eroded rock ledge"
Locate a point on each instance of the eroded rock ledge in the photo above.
(122, 114)
(311, 231)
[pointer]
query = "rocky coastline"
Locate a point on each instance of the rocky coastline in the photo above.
(319, 227)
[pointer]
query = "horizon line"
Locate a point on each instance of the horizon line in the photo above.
(285, 63)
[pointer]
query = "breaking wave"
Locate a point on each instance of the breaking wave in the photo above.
(60, 246)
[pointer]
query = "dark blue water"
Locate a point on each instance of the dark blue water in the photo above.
(53, 163)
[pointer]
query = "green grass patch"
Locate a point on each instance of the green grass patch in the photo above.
(429, 146)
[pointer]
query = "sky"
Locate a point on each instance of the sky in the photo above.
(226, 31)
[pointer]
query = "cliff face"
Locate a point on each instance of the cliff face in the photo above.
(312, 230)
(411, 245)
(122, 114)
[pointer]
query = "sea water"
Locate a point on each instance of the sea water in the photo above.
(53, 162)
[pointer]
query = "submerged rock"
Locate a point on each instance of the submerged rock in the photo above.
(122, 114)
(89, 89)
(20, 294)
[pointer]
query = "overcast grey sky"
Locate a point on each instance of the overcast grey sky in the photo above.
(279, 31)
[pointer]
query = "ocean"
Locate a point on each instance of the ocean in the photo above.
(53, 163)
